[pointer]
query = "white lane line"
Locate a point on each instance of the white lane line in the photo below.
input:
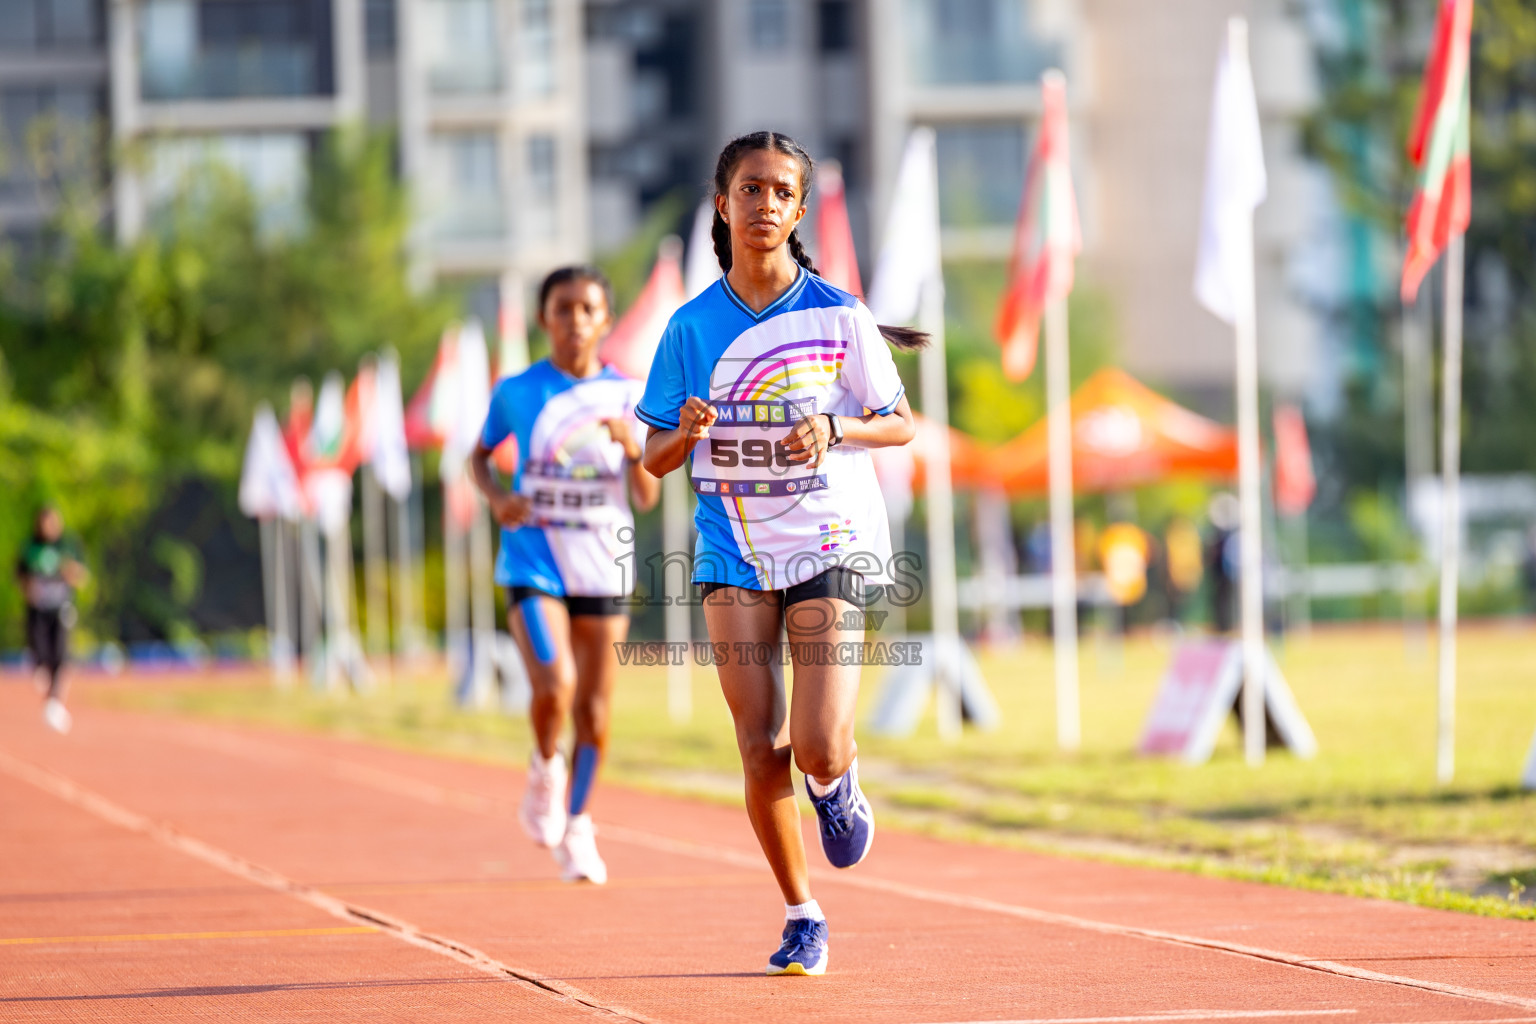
(1152, 1018)
(1175, 1015)
(402, 785)
(78, 796)
(685, 847)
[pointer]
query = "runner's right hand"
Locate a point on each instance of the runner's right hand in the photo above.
(511, 510)
(696, 417)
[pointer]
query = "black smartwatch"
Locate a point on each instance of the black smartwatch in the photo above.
(836, 427)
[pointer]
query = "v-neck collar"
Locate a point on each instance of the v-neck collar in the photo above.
(773, 307)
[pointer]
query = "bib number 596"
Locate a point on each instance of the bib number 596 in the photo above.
(753, 453)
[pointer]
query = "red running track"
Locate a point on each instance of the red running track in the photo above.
(156, 868)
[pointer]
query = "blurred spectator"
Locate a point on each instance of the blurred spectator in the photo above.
(1222, 561)
(1123, 551)
(49, 571)
(1183, 564)
(1085, 549)
(1037, 547)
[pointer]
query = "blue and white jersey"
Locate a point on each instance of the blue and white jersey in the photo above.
(765, 522)
(573, 472)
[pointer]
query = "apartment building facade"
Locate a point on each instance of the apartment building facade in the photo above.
(53, 102)
(850, 78)
(533, 132)
(484, 96)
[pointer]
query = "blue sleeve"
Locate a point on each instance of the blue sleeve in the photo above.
(665, 388)
(498, 420)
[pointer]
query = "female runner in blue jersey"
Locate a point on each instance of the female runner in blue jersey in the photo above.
(776, 384)
(567, 533)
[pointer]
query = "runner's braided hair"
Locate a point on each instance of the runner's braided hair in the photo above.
(720, 232)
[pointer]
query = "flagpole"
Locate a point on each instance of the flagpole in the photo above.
(1418, 434)
(678, 612)
(335, 602)
(264, 527)
(282, 639)
(1450, 508)
(455, 619)
(482, 605)
(1058, 380)
(404, 614)
(1251, 592)
(939, 490)
(359, 674)
(375, 567)
(311, 599)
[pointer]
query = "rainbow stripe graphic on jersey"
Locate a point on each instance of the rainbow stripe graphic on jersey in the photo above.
(817, 362)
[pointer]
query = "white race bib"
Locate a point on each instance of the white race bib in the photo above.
(744, 454)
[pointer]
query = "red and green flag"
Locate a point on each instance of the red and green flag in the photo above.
(1441, 146)
(1047, 238)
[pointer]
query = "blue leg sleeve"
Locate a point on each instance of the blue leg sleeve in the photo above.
(582, 774)
(538, 630)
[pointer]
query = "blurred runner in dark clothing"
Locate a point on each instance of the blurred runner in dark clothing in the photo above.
(49, 571)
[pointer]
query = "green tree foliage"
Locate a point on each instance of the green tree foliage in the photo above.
(1371, 59)
(132, 372)
(983, 402)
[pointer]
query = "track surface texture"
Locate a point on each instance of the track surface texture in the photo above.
(161, 869)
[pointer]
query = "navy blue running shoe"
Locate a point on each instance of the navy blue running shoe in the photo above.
(803, 951)
(846, 823)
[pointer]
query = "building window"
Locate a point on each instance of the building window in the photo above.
(981, 173)
(50, 24)
(536, 72)
(223, 49)
(379, 27)
(49, 136)
(768, 24)
(975, 42)
(543, 218)
(463, 43)
(274, 166)
(834, 26)
(464, 187)
(846, 151)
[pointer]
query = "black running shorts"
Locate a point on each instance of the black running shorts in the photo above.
(839, 581)
(575, 604)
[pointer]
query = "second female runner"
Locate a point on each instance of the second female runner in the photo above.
(567, 534)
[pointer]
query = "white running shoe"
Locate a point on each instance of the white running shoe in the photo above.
(577, 853)
(543, 808)
(57, 715)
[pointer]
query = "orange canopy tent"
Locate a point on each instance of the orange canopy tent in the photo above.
(1124, 434)
(969, 462)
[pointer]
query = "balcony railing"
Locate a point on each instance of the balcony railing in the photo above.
(975, 42)
(228, 73)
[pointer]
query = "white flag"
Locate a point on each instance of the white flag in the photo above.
(391, 456)
(909, 257)
(702, 267)
(269, 486)
(1234, 184)
(327, 485)
(472, 399)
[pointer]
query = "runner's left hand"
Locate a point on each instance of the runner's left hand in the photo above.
(618, 429)
(807, 441)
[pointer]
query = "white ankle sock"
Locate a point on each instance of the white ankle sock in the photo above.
(810, 910)
(818, 789)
